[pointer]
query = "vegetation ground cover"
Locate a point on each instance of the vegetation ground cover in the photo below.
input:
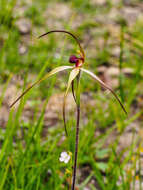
(32, 134)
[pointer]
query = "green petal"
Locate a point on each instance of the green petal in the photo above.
(105, 86)
(72, 76)
(54, 71)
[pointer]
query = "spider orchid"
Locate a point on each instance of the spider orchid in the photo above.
(78, 62)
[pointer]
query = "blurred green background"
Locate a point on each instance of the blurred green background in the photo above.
(32, 133)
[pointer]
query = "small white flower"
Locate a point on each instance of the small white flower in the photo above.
(65, 157)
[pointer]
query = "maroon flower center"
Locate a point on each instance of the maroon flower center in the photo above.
(78, 61)
(73, 59)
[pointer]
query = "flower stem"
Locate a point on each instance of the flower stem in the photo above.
(76, 147)
(77, 134)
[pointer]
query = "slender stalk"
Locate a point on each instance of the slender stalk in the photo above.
(77, 134)
(76, 147)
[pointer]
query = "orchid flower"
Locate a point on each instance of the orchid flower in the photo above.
(76, 69)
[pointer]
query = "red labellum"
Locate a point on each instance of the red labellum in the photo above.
(78, 61)
(73, 59)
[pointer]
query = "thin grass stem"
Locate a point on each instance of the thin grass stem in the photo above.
(121, 62)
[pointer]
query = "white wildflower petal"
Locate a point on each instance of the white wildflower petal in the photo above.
(61, 159)
(65, 157)
(63, 154)
(66, 161)
(68, 158)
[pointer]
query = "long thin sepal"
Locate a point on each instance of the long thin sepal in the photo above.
(54, 71)
(105, 86)
(64, 31)
(72, 76)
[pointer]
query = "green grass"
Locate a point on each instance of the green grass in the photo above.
(29, 151)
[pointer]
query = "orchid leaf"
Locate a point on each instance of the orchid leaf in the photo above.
(72, 76)
(105, 86)
(54, 71)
